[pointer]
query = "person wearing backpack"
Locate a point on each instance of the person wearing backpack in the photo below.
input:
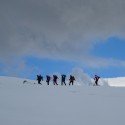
(96, 78)
(48, 79)
(55, 80)
(39, 78)
(71, 80)
(63, 79)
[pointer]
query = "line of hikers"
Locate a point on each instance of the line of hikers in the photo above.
(63, 78)
(55, 77)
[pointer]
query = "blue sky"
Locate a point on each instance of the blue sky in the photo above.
(112, 48)
(56, 36)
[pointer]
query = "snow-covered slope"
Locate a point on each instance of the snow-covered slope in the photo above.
(33, 104)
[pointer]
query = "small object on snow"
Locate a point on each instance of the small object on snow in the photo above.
(24, 81)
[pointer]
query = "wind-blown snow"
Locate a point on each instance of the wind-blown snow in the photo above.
(33, 104)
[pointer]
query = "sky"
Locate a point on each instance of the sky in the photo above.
(58, 36)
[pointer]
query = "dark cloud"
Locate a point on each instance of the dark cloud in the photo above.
(58, 28)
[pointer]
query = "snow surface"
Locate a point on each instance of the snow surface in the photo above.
(33, 104)
(118, 82)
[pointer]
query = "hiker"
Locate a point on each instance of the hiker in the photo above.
(71, 80)
(96, 78)
(48, 79)
(55, 80)
(39, 78)
(63, 79)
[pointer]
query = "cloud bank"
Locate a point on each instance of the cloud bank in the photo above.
(58, 29)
